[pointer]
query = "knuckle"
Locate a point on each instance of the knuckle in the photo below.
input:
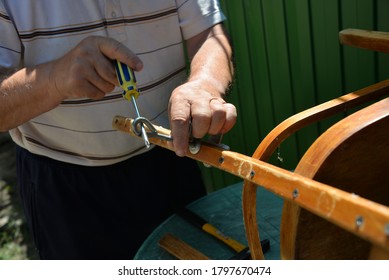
(82, 49)
(201, 116)
(219, 113)
(179, 120)
(116, 46)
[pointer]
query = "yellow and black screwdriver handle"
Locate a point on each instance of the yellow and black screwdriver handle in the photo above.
(127, 82)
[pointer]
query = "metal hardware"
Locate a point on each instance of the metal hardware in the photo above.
(295, 193)
(359, 220)
(152, 132)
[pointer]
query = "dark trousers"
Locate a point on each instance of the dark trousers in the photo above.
(78, 212)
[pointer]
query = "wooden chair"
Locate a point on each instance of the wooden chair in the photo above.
(340, 179)
(353, 156)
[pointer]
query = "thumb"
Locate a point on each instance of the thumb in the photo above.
(115, 50)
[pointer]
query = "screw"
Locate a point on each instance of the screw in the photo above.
(221, 159)
(252, 173)
(359, 221)
(295, 193)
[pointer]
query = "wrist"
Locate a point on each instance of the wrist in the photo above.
(48, 79)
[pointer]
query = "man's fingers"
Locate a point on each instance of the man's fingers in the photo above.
(179, 123)
(116, 50)
(215, 116)
(230, 119)
(91, 91)
(104, 68)
(218, 116)
(201, 115)
(93, 80)
(87, 70)
(101, 82)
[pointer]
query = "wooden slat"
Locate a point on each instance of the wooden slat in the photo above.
(318, 113)
(288, 58)
(352, 155)
(281, 132)
(365, 39)
(180, 249)
(345, 206)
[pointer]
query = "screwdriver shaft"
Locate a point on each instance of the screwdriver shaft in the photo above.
(144, 134)
(127, 82)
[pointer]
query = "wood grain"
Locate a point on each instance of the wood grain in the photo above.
(180, 249)
(285, 183)
(284, 130)
(365, 39)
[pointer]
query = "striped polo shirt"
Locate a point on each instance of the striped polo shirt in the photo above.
(80, 131)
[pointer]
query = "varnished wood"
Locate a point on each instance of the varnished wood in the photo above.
(357, 38)
(320, 112)
(284, 130)
(337, 208)
(180, 249)
(352, 155)
(284, 184)
(378, 253)
(366, 39)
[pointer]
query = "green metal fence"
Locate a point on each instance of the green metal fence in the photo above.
(288, 58)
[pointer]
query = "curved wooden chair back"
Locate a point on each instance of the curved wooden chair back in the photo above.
(299, 121)
(353, 155)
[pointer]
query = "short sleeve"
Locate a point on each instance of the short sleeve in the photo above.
(10, 45)
(198, 15)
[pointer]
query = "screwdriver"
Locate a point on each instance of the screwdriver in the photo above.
(127, 82)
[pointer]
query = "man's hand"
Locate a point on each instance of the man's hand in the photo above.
(191, 104)
(87, 72)
(199, 102)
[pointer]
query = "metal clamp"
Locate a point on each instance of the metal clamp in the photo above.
(152, 131)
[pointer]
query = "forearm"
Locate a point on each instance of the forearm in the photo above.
(24, 95)
(199, 103)
(211, 63)
(86, 71)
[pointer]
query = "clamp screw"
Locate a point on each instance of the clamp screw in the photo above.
(194, 148)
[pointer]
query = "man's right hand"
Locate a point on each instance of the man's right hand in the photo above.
(86, 71)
